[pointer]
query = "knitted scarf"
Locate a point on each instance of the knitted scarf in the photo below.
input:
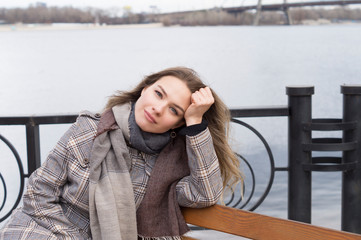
(144, 141)
(111, 198)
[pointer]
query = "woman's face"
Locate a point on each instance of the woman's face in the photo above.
(162, 105)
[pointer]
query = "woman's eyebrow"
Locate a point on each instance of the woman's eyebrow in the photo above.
(165, 93)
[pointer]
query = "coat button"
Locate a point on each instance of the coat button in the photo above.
(97, 115)
(86, 160)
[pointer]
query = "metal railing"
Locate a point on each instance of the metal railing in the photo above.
(300, 147)
(31, 124)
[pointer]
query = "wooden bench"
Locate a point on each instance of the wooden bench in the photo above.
(257, 226)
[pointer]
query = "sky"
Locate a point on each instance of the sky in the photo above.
(136, 5)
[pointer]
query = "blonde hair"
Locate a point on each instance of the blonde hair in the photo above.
(218, 117)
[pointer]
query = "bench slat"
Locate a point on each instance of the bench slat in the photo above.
(257, 226)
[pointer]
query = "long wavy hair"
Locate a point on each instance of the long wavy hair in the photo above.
(218, 117)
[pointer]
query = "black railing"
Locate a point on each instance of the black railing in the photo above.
(300, 148)
(271, 111)
(31, 124)
(302, 145)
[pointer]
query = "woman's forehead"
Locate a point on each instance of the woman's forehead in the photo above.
(171, 82)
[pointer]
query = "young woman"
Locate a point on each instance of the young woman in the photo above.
(125, 173)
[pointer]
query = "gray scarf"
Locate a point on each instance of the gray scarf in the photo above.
(150, 143)
(111, 196)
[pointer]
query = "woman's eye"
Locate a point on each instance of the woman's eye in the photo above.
(174, 111)
(159, 94)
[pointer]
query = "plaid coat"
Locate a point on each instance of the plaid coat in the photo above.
(56, 203)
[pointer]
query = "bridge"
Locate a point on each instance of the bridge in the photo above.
(284, 7)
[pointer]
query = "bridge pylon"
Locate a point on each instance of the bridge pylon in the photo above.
(285, 10)
(258, 13)
(287, 13)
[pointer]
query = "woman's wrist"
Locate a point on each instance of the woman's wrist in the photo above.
(193, 121)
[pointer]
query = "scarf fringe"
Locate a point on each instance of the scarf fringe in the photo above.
(161, 238)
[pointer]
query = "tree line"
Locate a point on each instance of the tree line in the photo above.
(47, 15)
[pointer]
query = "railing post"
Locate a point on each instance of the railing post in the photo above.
(33, 146)
(351, 180)
(299, 180)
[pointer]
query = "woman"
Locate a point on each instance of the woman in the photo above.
(124, 174)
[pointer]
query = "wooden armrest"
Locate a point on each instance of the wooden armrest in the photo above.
(188, 238)
(257, 226)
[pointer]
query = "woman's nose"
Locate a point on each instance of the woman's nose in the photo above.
(159, 108)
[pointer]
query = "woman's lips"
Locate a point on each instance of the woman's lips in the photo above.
(149, 117)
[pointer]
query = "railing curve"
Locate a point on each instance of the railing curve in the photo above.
(270, 180)
(5, 192)
(22, 179)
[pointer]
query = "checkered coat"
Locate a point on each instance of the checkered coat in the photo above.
(56, 202)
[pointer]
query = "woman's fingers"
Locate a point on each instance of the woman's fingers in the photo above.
(203, 97)
(201, 100)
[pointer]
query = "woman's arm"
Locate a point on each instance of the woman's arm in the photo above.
(46, 183)
(49, 186)
(203, 187)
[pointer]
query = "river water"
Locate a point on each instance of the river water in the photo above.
(66, 71)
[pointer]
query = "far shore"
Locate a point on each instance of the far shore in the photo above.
(71, 26)
(90, 26)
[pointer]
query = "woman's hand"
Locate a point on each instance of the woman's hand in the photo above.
(201, 101)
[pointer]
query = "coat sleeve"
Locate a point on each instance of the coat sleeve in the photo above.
(44, 200)
(203, 187)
